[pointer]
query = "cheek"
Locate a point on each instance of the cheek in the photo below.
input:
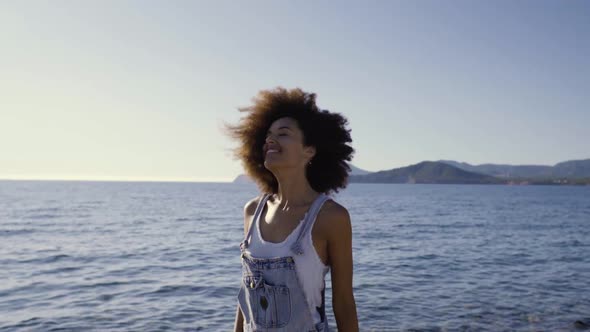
(286, 142)
(292, 144)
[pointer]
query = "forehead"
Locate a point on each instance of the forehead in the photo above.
(284, 122)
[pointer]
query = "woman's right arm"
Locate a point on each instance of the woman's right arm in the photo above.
(249, 210)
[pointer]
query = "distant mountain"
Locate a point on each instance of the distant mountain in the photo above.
(243, 178)
(450, 171)
(426, 172)
(569, 169)
(572, 169)
(357, 171)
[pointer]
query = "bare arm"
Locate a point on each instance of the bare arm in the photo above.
(249, 210)
(340, 257)
(239, 322)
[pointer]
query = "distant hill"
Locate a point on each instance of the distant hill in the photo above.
(426, 172)
(357, 171)
(573, 169)
(243, 178)
(450, 171)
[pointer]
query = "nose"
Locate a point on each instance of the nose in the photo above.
(269, 139)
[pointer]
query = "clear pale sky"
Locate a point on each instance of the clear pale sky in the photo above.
(139, 90)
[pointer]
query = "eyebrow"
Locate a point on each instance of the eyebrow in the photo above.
(283, 127)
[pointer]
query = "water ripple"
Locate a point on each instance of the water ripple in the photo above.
(95, 256)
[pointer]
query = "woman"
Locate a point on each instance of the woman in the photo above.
(294, 233)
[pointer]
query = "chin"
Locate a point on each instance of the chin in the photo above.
(270, 165)
(274, 165)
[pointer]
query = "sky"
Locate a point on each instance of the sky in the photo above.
(140, 90)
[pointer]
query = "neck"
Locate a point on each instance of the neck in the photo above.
(294, 189)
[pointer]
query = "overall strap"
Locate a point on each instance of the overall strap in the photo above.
(308, 222)
(259, 209)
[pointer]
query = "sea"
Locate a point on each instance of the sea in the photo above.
(157, 256)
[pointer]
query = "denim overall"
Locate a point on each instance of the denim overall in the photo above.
(271, 297)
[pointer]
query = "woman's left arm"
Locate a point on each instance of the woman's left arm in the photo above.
(340, 258)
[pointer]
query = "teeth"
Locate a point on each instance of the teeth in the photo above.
(271, 150)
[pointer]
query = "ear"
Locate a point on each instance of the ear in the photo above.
(309, 152)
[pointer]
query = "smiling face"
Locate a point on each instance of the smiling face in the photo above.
(283, 147)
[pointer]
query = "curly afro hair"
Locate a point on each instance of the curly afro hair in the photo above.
(324, 130)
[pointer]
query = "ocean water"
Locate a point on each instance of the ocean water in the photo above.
(116, 256)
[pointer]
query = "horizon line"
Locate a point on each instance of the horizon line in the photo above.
(117, 179)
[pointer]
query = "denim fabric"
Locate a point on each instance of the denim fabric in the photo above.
(271, 297)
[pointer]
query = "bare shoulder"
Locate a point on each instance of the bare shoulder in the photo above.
(249, 210)
(333, 218)
(250, 207)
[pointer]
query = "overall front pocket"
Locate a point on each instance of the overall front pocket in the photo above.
(271, 304)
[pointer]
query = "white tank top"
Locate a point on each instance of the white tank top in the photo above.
(310, 268)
